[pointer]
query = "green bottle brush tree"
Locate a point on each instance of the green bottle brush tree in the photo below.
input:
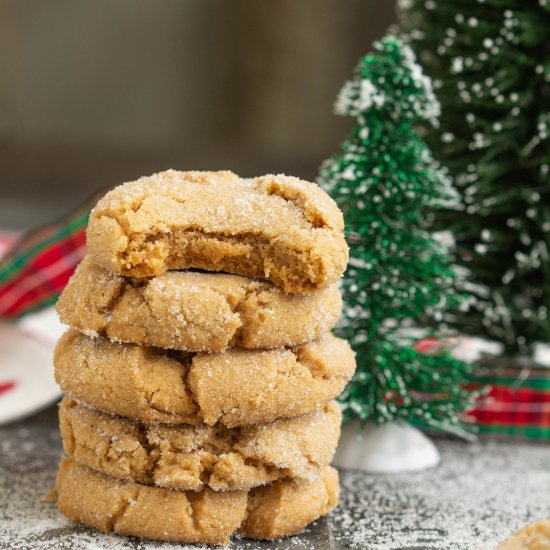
(400, 276)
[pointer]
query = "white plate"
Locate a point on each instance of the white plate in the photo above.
(26, 365)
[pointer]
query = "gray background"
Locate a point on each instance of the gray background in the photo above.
(96, 92)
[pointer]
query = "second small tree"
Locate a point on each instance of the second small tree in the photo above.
(490, 60)
(400, 277)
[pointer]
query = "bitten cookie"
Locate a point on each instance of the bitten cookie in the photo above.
(278, 228)
(195, 311)
(193, 457)
(277, 510)
(235, 387)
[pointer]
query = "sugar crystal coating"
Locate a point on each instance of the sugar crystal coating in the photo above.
(276, 510)
(278, 228)
(195, 311)
(189, 457)
(236, 387)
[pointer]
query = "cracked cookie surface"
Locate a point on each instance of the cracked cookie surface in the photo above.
(195, 311)
(235, 387)
(278, 228)
(192, 457)
(280, 509)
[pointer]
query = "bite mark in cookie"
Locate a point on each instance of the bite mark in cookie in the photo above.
(278, 228)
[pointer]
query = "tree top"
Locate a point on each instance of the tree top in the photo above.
(389, 84)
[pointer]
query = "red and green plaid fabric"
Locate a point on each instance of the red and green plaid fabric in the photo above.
(518, 402)
(37, 266)
(518, 405)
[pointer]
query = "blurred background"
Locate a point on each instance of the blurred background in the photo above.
(94, 93)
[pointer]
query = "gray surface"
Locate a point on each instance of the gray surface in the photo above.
(476, 497)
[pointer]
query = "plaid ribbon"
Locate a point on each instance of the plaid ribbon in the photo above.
(518, 405)
(518, 402)
(37, 266)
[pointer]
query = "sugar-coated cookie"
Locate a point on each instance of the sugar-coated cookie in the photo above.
(235, 387)
(278, 228)
(127, 508)
(535, 536)
(193, 457)
(195, 311)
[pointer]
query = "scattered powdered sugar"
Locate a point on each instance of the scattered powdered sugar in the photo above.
(475, 499)
(479, 494)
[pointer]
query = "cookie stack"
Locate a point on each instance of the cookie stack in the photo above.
(199, 404)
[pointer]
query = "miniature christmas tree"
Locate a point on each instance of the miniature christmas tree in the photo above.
(490, 64)
(399, 277)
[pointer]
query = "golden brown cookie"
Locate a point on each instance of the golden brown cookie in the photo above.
(235, 387)
(127, 508)
(535, 536)
(286, 507)
(193, 457)
(278, 228)
(195, 311)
